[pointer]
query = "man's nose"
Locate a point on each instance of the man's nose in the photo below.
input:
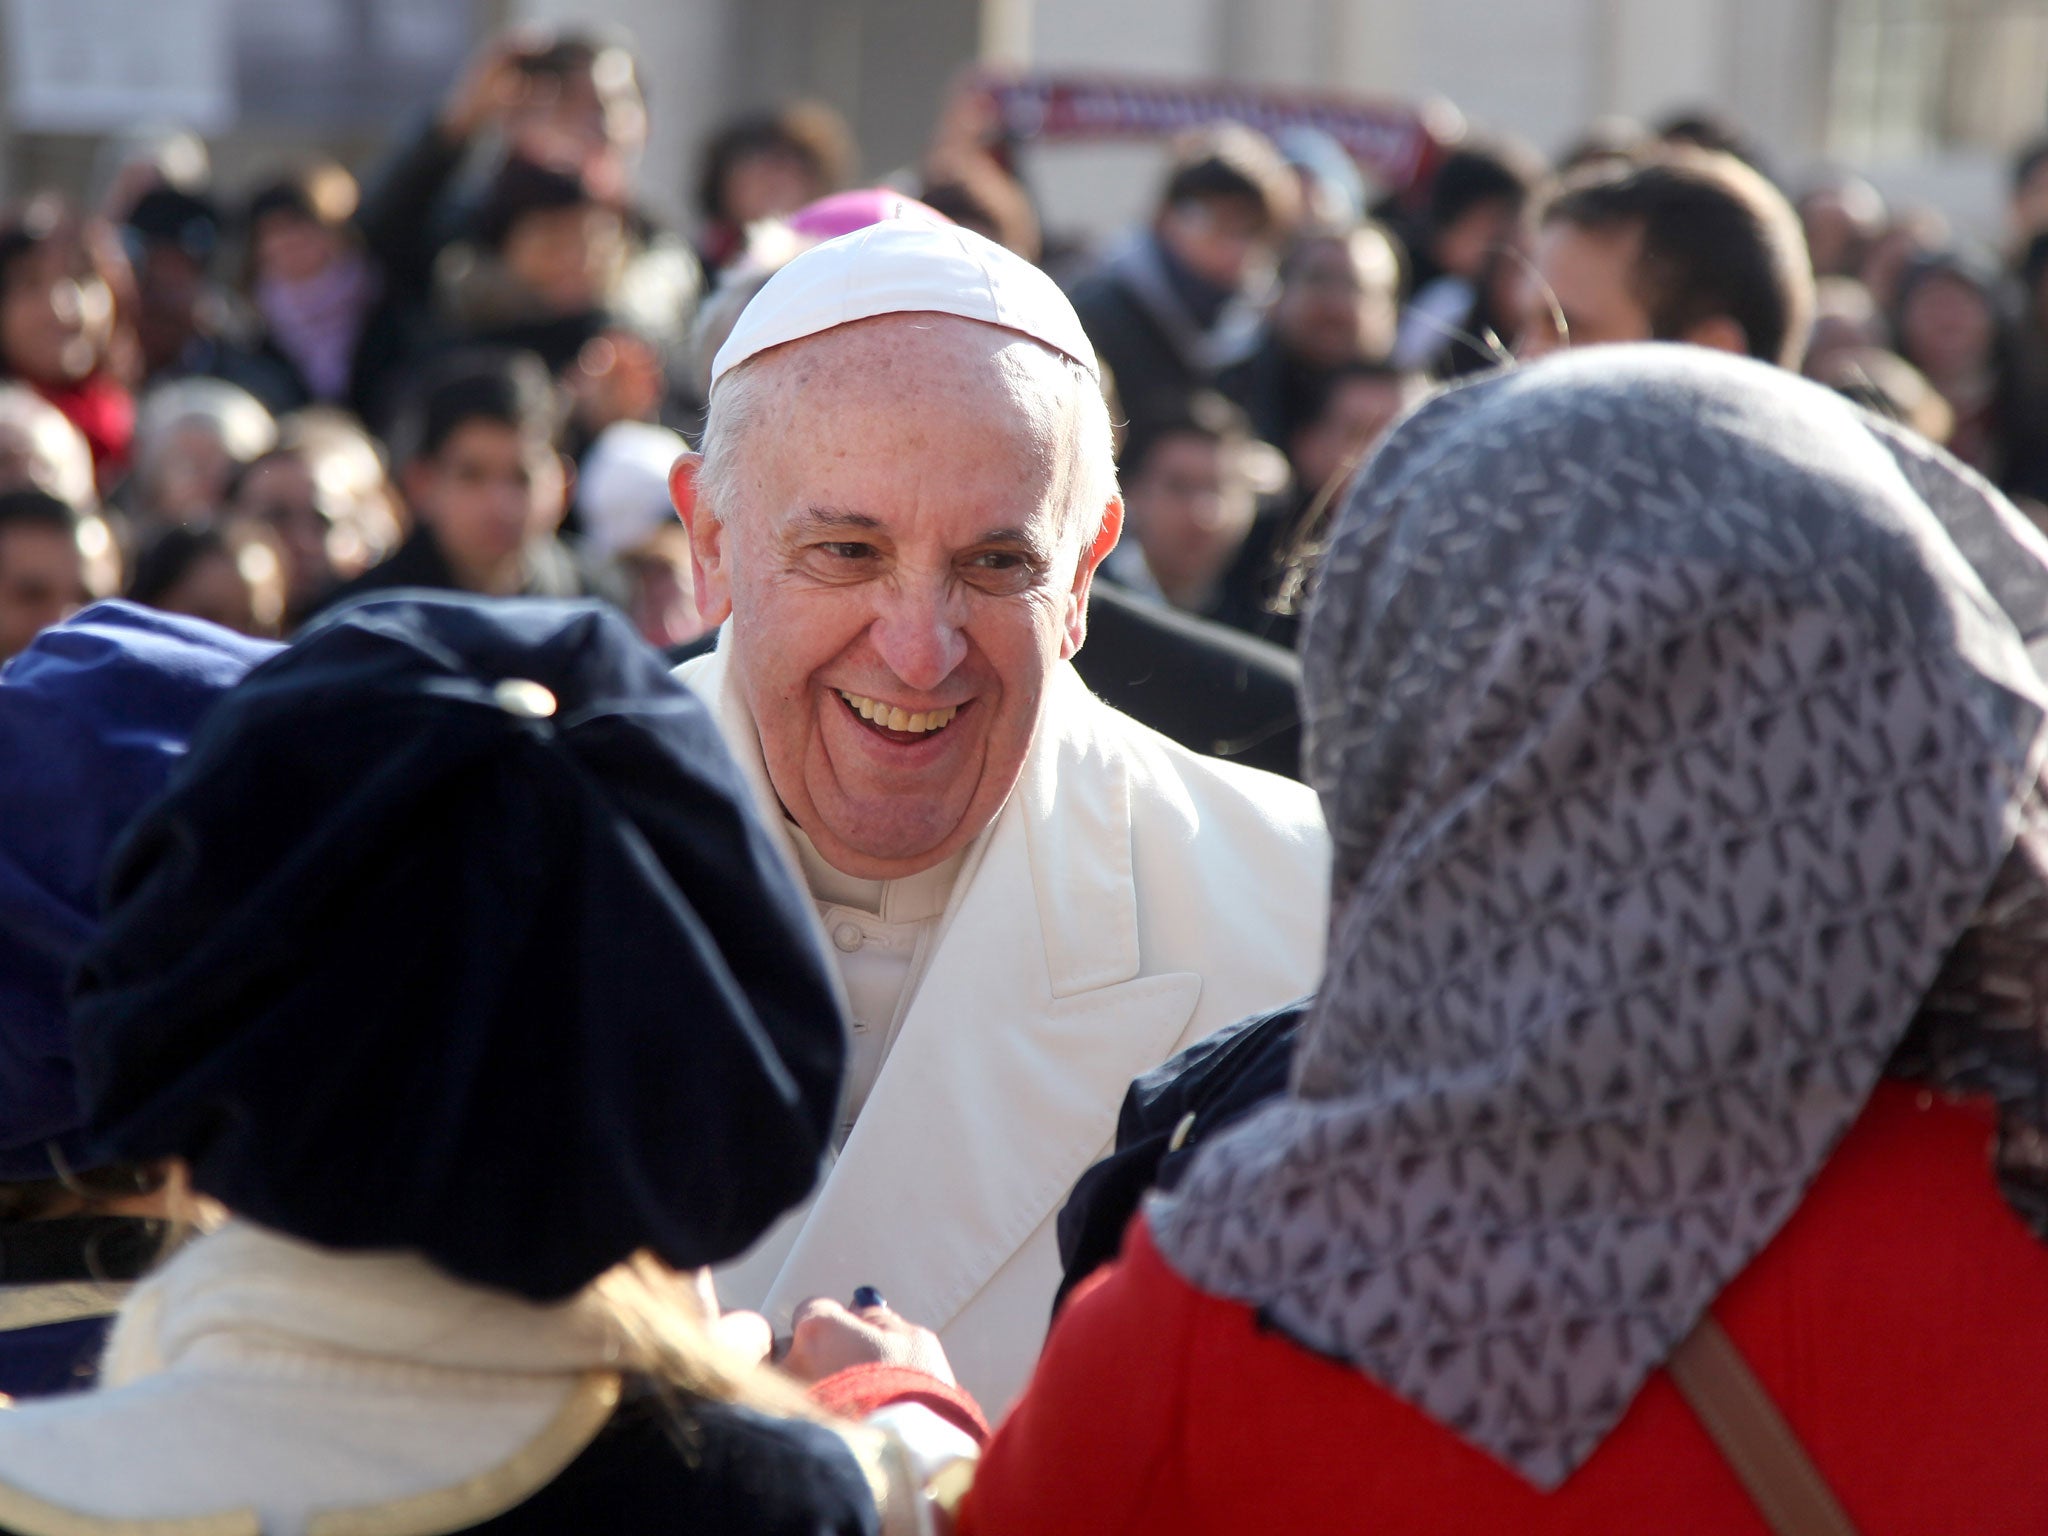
(511, 499)
(1213, 509)
(920, 637)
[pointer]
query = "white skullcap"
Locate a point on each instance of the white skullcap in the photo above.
(906, 266)
(622, 486)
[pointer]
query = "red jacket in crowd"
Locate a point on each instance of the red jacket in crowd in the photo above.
(1900, 1321)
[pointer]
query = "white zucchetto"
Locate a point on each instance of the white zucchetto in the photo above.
(905, 266)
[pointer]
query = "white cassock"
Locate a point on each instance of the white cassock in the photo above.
(1129, 898)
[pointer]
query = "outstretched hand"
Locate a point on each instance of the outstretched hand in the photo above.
(828, 1338)
(492, 84)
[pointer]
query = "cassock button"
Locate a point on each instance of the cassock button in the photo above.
(848, 937)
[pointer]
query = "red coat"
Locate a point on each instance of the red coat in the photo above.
(1900, 1320)
(104, 414)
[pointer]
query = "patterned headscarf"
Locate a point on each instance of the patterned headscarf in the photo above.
(1673, 720)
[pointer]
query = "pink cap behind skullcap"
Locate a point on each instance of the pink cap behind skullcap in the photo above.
(844, 212)
(905, 266)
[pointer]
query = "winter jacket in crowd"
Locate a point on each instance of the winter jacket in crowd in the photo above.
(551, 571)
(1162, 330)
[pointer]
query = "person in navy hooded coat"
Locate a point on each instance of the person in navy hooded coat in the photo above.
(93, 716)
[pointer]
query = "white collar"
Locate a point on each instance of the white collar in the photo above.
(257, 1384)
(906, 899)
(246, 1287)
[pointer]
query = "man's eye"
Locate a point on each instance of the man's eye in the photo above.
(849, 551)
(1003, 572)
(999, 560)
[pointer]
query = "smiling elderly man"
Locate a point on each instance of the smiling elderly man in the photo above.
(906, 488)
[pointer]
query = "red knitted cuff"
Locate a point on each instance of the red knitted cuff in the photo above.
(860, 1390)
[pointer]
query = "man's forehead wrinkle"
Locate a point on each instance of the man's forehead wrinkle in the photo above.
(901, 378)
(919, 344)
(1037, 542)
(826, 517)
(866, 363)
(836, 517)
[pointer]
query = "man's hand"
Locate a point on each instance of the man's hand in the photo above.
(968, 120)
(494, 82)
(828, 1338)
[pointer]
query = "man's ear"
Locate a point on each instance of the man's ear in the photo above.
(1723, 333)
(709, 554)
(1084, 575)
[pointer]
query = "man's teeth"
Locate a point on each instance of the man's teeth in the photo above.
(895, 719)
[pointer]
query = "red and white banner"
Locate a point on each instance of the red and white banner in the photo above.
(1394, 143)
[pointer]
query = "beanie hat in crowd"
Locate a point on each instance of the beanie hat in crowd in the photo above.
(457, 933)
(94, 714)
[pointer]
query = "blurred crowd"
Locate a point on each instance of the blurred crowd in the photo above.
(470, 364)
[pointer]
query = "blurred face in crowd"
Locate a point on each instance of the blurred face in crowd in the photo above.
(281, 495)
(1947, 330)
(1465, 245)
(1359, 412)
(1340, 300)
(768, 183)
(291, 248)
(189, 480)
(170, 284)
(1840, 222)
(487, 494)
(661, 598)
(1190, 506)
(567, 256)
(1913, 234)
(1224, 240)
(56, 318)
(354, 493)
(241, 587)
(586, 115)
(2030, 203)
(42, 581)
(1844, 321)
(618, 376)
(905, 558)
(1582, 291)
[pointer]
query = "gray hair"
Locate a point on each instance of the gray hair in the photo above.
(735, 405)
(241, 422)
(771, 246)
(739, 399)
